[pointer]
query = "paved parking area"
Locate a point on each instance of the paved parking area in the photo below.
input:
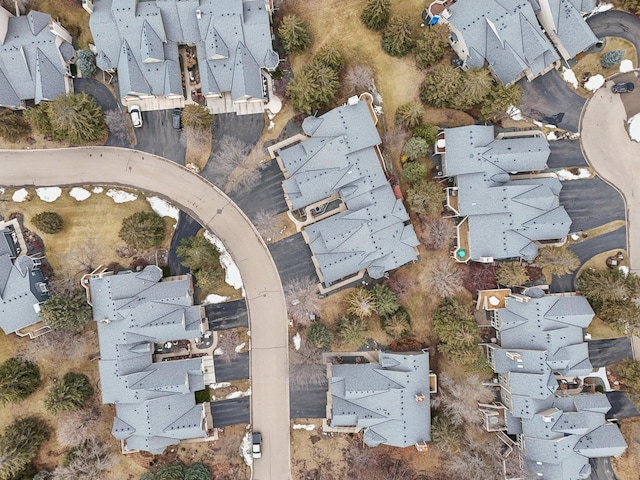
(591, 202)
(310, 403)
(621, 406)
(293, 258)
(231, 412)
(225, 315)
(566, 153)
(237, 369)
(267, 195)
(603, 353)
(158, 136)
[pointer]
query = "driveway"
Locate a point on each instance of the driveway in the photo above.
(601, 469)
(208, 205)
(310, 403)
(591, 202)
(225, 315)
(158, 136)
(616, 240)
(293, 258)
(603, 353)
(565, 153)
(549, 100)
(231, 412)
(237, 369)
(187, 227)
(615, 23)
(267, 195)
(621, 406)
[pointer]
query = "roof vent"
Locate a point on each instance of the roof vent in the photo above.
(198, 13)
(420, 397)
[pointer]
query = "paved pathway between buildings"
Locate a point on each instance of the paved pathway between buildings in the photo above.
(213, 209)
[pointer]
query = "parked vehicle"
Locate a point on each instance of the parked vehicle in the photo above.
(176, 118)
(623, 87)
(257, 445)
(136, 115)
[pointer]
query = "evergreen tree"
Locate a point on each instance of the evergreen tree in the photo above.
(352, 330)
(409, 115)
(69, 393)
(197, 471)
(499, 99)
(12, 125)
(476, 84)
(557, 260)
(608, 285)
(426, 198)
(446, 434)
(294, 34)
(142, 230)
(313, 88)
(511, 274)
(19, 445)
(66, 311)
(203, 258)
(360, 302)
(432, 46)
(197, 117)
(76, 118)
(330, 56)
(319, 335)
(397, 38)
(38, 118)
(441, 86)
(414, 172)
(612, 58)
(376, 13)
(48, 222)
(18, 379)
(415, 148)
(457, 331)
(384, 300)
(397, 325)
(428, 132)
(86, 62)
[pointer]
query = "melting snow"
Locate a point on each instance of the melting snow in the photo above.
(240, 347)
(634, 128)
(570, 77)
(49, 194)
(300, 426)
(215, 386)
(79, 194)
(552, 136)
(564, 175)
(97, 189)
(624, 269)
(239, 394)
(120, 196)
(20, 195)
(594, 83)
(218, 351)
(245, 449)
(213, 298)
(164, 208)
(297, 340)
(603, 7)
(514, 113)
(1, 191)
(626, 65)
(232, 276)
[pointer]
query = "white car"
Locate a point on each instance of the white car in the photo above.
(136, 115)
(256, 449)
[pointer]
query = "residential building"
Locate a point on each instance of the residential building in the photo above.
(335, 180)
(565, 25)
(35, 54)
(545, 415)
(388, 399)
(506, 207)
(141, 319)
(169, 53)
(23, 286)
(503, 35)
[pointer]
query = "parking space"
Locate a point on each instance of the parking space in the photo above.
(566, 153)
(293, 259)
(603, 353)
(225, 315)
(237, 369)
(231, 412)
(310, 403)
(158, 136)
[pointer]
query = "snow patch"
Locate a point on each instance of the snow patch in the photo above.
(215, 386)
(239, 394)
(245, 449)
(79, 194)
(634, 128)
(213, 298)
(514, 113)
(548, 125)
(552, 136)
(594, 83)
(603, 7)
(1, 191)
(218, 351)
(97, 189)
(271, 125)
(536, 122)
(565, 175)
(120, 196)
(164, 208)
(49, 194)
(20, 195)
(297, 340)
(232, 276)
(240, 347)
(624, 269)
(301, 426)
(626, 65)
(570, 77)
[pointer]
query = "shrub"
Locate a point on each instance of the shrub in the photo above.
(612, 58)
(319, 335)
(197, 117)
(428, 132)
(397, 324)
(86, 62)
(415, 148)
(414, 172)
(69, 393)
(384, 300)
(12, 125)
(409, 115)
(142, 230)
(48, 222)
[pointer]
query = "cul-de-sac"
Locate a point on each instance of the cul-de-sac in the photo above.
(319, 240)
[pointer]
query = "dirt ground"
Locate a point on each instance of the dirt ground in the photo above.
(627, 465)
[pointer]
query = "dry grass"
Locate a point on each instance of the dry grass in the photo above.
(72, 16)
(91, 227)
(40, 143)
(598, 261)
(591, 62)
(198, 147)
(627, 465)
(599, 330)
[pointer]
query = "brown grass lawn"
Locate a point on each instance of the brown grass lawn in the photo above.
(72, 16)
(92, 224)
(628, 465)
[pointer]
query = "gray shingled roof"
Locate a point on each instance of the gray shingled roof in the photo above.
(232, 39)
(503, 33)
(573, 32)
(33, 60)
(19, 294)
(381, 399)
(341, 158)
(155, 402)
(506, 214)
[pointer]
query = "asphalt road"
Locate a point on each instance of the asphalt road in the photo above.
(565, 153)
(615, 23)
(621, 406)
(603, 353)
(225, 315)
(293, 258)
(266, 196)
(231, 412)
(547, 97)
(82, 166)
(591, 202)
(237, 369)
(587, 249)
(187, 227)
(311, 403)
(601, 469)
(158, 136)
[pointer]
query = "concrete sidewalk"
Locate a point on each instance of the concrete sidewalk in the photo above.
(213, 209)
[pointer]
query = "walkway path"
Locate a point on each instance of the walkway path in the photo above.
(214, 210)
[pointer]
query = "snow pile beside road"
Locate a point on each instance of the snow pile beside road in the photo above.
(594, 83)
(514, 113)
(239, 394)
(240, 347)
(20, 195)
(626, 66)
(245, 449)
(634, 128)
(120, 196)
(603, 7)
(300, 426)
(570, 77)
(164, 208)
(49, 194)
(79, 193)
(297, 340)
(213, 298)
(564, 175)
(97, 189)
(232, 276)
(552, 136)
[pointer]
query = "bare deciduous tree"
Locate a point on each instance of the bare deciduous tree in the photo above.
(227, 343)
(302, 300)
(360, 302)
(89, 461)
(264, 221)
(306, 367)
(358, 79)
(468, 465)
(459, 400)
(116, 124)
(443, 276)
(437, 232)
(85, 256)
(247, 179)
(78, 426)
(229, 154)
(11, 5)
(393, 140)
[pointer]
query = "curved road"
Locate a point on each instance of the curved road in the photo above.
(213, 209)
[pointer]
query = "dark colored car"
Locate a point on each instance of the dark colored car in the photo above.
(176, 118)
(623, 87)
